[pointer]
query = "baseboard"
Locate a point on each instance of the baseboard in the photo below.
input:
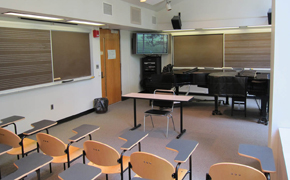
(70, 118)
(75, 116)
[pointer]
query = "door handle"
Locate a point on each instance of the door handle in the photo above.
(102, 75)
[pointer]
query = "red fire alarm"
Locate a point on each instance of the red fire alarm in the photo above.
(95, 33)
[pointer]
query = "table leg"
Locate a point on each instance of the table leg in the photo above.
(216, 111)
(190, 167)
(135, 119)
(263, 119)
(38, 174)
(227, 101)
(182, 131)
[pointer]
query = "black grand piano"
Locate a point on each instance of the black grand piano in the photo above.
(220, 82)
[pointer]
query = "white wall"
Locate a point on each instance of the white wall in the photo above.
(209, 13)
(130, 65)
(279, 108)
(91, 10)
(68, 99)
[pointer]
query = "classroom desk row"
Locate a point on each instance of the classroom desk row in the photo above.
(184, 148)
(35, 161)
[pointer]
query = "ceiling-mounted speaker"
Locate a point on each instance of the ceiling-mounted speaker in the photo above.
(270, 16)
(176, 22)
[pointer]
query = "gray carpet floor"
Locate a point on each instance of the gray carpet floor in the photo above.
(219, 136)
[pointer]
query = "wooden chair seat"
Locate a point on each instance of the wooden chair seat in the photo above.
(112, 169)
(29, 145)
(181, 173)
(105, 157)
(11, 139)
(56, 148)
(74, 152)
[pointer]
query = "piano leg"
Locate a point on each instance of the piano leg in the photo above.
(264, 119)
(216, 111)
(177, 90)
(227, 101)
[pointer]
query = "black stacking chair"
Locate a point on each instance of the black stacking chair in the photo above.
(159, 106)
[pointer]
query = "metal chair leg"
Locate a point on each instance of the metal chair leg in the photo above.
(245, 107)
(152, 121)
(167, 126)
(144, 123)
(172, 122)
(50, 169)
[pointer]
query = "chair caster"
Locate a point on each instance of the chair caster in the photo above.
(216, 112)
(263, 121)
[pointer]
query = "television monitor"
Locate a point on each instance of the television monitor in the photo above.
(150, 43)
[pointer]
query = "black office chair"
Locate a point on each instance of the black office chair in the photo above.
(161, 106)
(239, 92)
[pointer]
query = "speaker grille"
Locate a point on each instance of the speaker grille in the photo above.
(135, 15)
(107, 9)
(153, 20)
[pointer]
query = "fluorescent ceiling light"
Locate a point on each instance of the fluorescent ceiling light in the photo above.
(222, 28)
(260, 26)
(142, 0)
(33, 16)
(87, 23)
(178, 30)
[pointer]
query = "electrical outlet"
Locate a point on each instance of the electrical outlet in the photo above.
(51, 107)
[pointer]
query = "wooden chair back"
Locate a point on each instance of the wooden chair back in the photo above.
(150, 166)
(234, 171)
(9, 138)
(50, 145)
(100, 153)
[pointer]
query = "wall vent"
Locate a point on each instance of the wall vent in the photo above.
(153, 20)
(108, 9)
(135, 15)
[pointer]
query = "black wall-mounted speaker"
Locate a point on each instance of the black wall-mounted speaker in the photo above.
(270, 16)
(176, 22)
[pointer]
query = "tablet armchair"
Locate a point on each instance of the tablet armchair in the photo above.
(54, 147)
(23, 146)
(150, 166)
(234, 171)
(105, 157)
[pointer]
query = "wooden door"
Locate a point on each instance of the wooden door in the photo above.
(110, 64)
